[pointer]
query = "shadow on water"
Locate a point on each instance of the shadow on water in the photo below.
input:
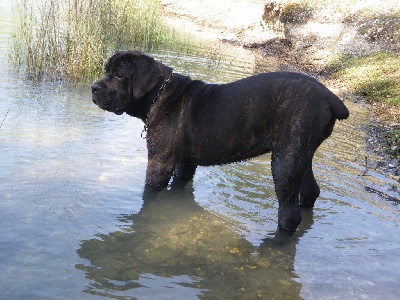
(174, 248)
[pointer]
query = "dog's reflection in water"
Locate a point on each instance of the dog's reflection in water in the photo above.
(173, 237)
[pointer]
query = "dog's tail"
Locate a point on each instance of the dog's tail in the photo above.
(338, 108)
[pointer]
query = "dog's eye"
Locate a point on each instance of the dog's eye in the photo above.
(118, 76)
(124, 63)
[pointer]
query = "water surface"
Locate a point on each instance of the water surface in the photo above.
(73, 224)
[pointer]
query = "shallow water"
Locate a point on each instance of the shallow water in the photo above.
(73, 224)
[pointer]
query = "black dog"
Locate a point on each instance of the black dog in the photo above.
(190, 123)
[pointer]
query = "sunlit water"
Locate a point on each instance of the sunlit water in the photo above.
(73, 224)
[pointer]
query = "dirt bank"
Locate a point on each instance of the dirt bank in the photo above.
(320, 23)
(308, 35)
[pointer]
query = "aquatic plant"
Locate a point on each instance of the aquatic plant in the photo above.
(72, 38)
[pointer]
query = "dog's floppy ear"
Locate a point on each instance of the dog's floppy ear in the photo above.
(147, 74)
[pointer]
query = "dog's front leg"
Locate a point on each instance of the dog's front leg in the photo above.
(159, 172)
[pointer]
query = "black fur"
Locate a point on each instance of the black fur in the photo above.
(197, 124)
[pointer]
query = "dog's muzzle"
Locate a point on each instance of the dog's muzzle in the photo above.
(96, 88)
(104, 103)
(96, 98)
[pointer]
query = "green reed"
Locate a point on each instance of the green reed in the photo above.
(71, 39)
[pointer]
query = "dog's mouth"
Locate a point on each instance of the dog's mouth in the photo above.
(108, 106)
(119, 112)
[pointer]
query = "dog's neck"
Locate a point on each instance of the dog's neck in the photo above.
(159, 92)
(176, 87)
(140, 107)
(156, 97)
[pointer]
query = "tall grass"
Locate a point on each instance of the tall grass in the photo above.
(70, 39)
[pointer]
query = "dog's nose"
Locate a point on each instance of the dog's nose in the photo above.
(95, 88)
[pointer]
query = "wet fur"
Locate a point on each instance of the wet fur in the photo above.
(197, 124)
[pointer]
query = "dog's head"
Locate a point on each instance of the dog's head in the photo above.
(129, 76)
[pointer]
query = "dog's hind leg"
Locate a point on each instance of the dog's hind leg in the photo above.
(309, 189)
(288, 169)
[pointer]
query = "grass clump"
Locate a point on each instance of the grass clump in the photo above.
(72, 38)
(295, 13)
(375, 76)
(392, 139)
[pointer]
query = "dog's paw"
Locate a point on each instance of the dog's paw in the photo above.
(289, 218)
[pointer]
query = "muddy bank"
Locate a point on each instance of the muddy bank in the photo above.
(308, 36)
